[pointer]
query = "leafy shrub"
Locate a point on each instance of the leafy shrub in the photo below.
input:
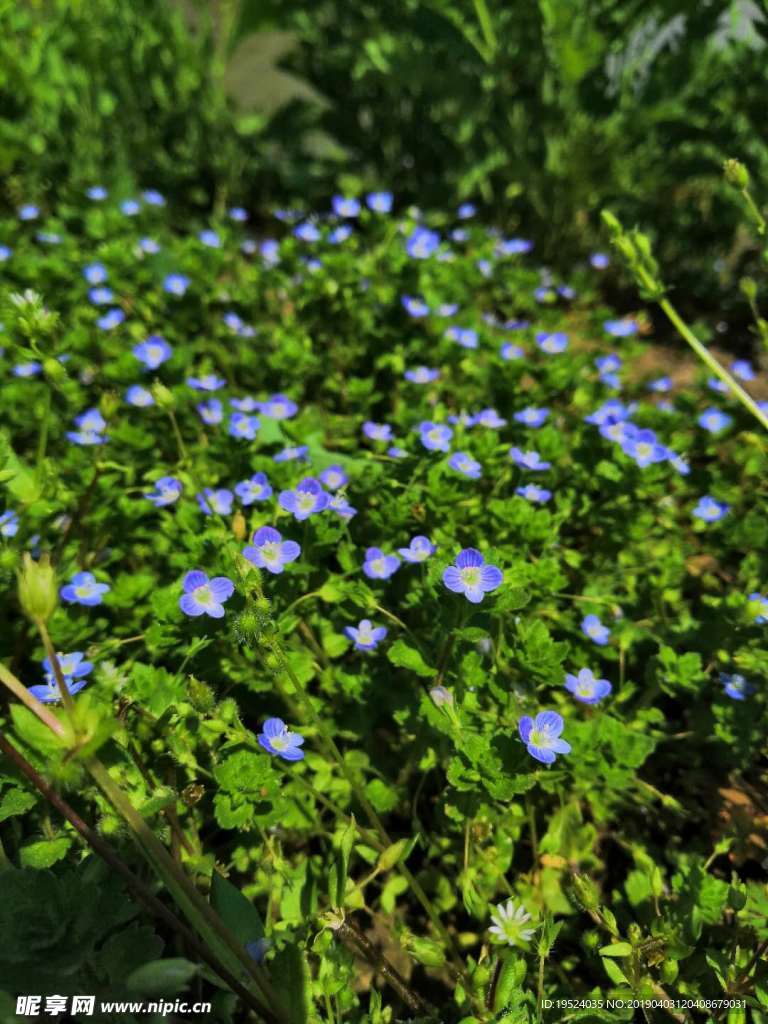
(388, 798)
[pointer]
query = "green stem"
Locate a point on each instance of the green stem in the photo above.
(486, 27)
(53, 658)
(704, 354)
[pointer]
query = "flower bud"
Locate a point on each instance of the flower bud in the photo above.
(162, 395)
(108, 404)
(748, 288)
(38, 594)
(426, 951)
(201, 696)
(239, 527)
(736, 174)
(441, 696)
(54, 370)
(585, 892)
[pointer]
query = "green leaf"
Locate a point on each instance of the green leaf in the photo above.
(292, 981)
(405, 656)
(44, 853)
(162, 977)
(236, 910)
(16, 801)
(616, 949)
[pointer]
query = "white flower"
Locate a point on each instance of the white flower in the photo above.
(508, 924)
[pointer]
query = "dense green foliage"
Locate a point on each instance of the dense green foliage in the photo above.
(408, 818)
(540, 111)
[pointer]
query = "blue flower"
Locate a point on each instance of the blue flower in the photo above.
(243, 426)
(644, 448)
(203, 596)
(760, 612)
(736, 686)
(153, 198)
(339, 504)
(90, 425)
(715, 384)
(74, 670)
(276, 739)
(743, 369)
(28, 212)
(592, 627)
(279, 407)
(620, 431)
(9, 523)
(149, 246)
(608, 364)
(344, 206)
(421, 375)
(139, 396)
(528, 460)
(419, 549)
(334, 477)
(210, 412)
(679, 463)
(96, 193)
(447, 309)
(298, 452)
(208, 382)
(175, 284)
(531, 417)
(101, 296)
(609, 412)
(83, 589)
(379, 202)
(209, 238)
(470, 576)
(167, 490)
(153, 352)
(620, 328)
(513, 246)
(422, 243)
(27, 369)
(710, 510)
(111, 319)
(464, 336)
(599, 260)
(466, 465)
(714, 420)
(435, 436)
(269, 551)
(414, 306)
(541, 736)
(340, 234)
(378, 566)
(532, 492)
(586, 688)
(211, 501)
(307, 232)
(377, 431)
(552, 343)
(305, 499)
(510, 351)
(660, 385)
(566, 292)
(365, 635)
(257, 488)
(466, 210)
(489, 418)
(95, 273)
(395, 452)
(238, 214)
(247, 404)
(130, 207)
(5, 252)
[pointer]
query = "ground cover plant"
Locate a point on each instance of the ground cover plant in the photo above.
(378, 643)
